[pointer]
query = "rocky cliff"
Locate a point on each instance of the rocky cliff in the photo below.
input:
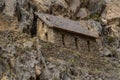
(24, 56)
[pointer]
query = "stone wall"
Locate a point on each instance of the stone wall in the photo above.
(111, 19)
(67, 39)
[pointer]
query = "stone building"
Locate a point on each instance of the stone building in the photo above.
(65, 32)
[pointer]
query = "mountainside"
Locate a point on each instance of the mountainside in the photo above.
(59, 39)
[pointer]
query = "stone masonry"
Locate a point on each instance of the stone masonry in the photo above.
(53, 32)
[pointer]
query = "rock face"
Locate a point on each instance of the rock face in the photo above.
(22, 58)
(25, 13)
(111, 18)
(70, 8)
(112, 10)
(23, 10)
(76, 57)
(10, 7)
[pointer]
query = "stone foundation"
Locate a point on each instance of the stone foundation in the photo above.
(67, 39)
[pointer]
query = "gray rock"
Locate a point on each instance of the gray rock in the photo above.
(96, 6)
(83, 13)
(10, 6)
(64, 76)
(24, 66)
(56, 74)
(106, 53)
(50, 66)
(118, 53)
(28, 44)
(25, 16)
(95, 25)
(2, 69)
(10, 48)
(74, 5)
(46, 75)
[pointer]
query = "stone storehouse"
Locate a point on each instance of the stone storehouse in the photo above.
(65, 32)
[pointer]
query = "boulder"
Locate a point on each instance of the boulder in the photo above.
(112, 11)
(83, 13)
(96, 6)
(74, 5)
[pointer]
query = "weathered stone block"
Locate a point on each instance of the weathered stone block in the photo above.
(54, 36)
(94, 47)
(83, 44)
(69, 41)
(39, 27)
(42, 31)
(48, 34)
